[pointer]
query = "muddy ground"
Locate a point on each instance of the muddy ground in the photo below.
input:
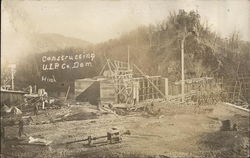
(176, 131)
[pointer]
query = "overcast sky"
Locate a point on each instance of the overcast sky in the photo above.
(97, 21)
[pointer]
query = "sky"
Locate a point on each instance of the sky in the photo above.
(98, 21)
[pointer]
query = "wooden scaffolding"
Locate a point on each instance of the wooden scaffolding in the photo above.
(129, 89)
(122, 77)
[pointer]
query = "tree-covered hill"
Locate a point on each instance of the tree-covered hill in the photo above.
(156, 49)
(52, 42)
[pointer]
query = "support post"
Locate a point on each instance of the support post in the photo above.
(12, 79)
(182, 71)
(35, 89)
(103, 68)
(150, 82)
(67, 93)
(128, 59)
(12, 69)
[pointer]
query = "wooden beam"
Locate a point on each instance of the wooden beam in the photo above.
(67, 94)
(150, 81)
(102, 69)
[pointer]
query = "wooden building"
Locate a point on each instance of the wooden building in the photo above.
(10, 97)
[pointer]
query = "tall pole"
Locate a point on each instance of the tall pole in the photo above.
(182, 71)
(12, 69)
(12, 78)
(128, 59)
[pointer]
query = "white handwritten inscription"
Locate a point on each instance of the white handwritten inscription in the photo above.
(60, 62)
(47, 79)
(56, 66)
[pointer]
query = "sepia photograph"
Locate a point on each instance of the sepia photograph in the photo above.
(125, 79)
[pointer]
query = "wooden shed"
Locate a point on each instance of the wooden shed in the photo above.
(10, 97)
(93, 90)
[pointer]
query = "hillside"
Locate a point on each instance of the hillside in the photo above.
(156, 49)
(51, 42)
(36, 44)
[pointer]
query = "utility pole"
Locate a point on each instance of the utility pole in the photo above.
(128, 59)
(12, 69)
(186, 34)
(182, 71)
(12, 80)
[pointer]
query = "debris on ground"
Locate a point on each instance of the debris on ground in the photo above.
(167, 125)
(11, 110)
(38, 141)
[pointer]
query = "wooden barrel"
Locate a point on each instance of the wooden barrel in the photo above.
(226, 125)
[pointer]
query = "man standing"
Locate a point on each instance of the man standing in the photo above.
(21, 128)
(2, 134)
(36, 109)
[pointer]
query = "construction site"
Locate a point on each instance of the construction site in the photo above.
(90, 102)
(125, 113)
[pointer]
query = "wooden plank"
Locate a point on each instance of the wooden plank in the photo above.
(67, 94)
(238, 107)
(103, 68)
(150, 81)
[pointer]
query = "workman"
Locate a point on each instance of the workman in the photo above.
(36, 109)
(21, 128)
(2, 133)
